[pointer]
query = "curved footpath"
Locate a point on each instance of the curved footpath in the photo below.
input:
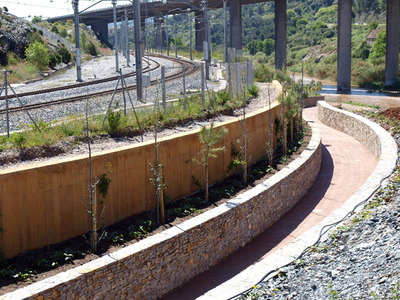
(346, 165)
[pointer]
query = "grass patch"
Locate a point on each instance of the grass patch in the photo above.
(361, 104)
(72, 128)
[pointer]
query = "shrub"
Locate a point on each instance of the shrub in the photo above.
(92, 49)
(52, 60)
(35, 37)
(36, 19)
(263, 74)
(18, 139)
(37, 54)
(65, 55)
(114, 119)
(253, 90)
(63, 32)
(54, 29)
(261, 58)
(379, 48)
(12, 58)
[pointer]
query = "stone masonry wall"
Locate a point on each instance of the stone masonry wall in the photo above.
(160, 263)
(363, 130)
(312, 101)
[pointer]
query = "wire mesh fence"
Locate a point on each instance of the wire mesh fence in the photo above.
(120, 93)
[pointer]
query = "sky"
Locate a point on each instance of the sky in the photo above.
(51, 8)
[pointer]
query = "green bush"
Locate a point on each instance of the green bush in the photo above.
(63, 32)
(37, 54)
(114, 119)
(263, 74)
(52, 60)
(92, 49)
(65, 55)
(253, 90)
(379, 48)
(54, 29)
(18, 139)
(36, 19)
(12, 58)
(35, 37)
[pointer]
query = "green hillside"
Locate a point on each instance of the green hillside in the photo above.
(312, 37)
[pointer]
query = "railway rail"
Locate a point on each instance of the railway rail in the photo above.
(193, 67)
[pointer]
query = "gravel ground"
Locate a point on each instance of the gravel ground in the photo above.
(102, 67)
(358, 259)
(100, 106)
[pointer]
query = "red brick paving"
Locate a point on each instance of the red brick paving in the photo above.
(346, 164)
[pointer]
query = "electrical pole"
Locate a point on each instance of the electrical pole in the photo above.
(225, 33)
(127, 37)
(77, 42)
(166, 32)
(176, 44)
(190, 36)
(138, 56)
(114, 3)
(161, 35)
(206, 33)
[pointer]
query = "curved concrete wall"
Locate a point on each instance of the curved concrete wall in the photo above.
(160, 263)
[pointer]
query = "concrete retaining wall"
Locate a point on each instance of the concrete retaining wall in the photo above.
(160, 263)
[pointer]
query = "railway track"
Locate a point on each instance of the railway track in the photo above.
(83, 96)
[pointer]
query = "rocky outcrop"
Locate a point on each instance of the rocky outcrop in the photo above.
(14, 36)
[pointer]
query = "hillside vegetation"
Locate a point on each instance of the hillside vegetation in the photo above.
(312, 37)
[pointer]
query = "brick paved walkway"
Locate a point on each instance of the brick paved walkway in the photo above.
(346, 164)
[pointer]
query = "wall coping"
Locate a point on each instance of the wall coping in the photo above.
(50, 283)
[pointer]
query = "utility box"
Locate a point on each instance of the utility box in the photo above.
(146, 80)
(205, 50)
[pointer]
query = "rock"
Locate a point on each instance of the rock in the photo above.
(14, 36)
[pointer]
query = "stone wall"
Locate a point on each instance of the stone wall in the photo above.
(312, 101)
(160, 263)
(363, 130)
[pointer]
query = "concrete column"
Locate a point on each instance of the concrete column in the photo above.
(236, 26)
(158, 23)
(101, 29)
(392, 42)
(280, 34)
(344, 46)
(200, 30)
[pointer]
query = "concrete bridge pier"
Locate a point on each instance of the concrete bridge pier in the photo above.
(200, 35)
(344, 46)
(236, 26)
(158, 25)
(101, 29)
(392, 42)
(280, 34)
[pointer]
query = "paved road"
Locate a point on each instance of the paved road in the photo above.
(346, 164)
